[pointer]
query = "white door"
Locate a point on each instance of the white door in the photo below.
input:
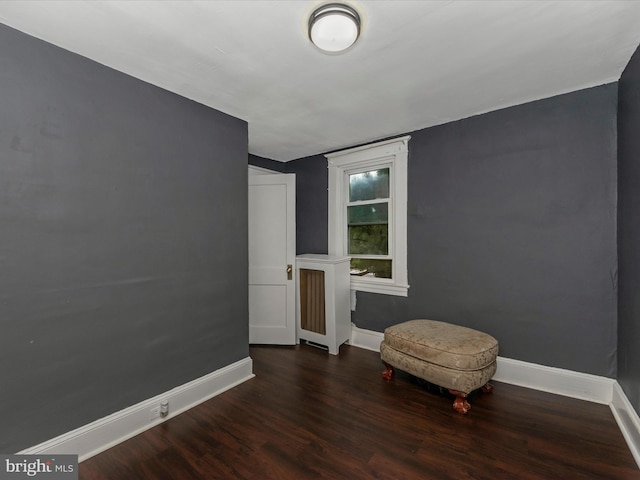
(272, 253)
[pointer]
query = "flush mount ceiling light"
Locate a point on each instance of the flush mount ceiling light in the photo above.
(334, 27)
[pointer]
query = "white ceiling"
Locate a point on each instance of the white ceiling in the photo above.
(417, 63)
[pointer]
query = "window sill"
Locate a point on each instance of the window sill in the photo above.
(381, 287)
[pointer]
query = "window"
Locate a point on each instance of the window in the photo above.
(368, 214)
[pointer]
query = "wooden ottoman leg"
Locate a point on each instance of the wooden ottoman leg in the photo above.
(488, 388)
(387, 374)
(460, 404)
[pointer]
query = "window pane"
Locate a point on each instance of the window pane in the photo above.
(369, 239)
(373, 213)
(372, 268)
(369, 185)
(368, 229)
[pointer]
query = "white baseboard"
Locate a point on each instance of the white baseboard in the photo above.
(568, 383)
(98, 436)
(627, 419)
(367, 339)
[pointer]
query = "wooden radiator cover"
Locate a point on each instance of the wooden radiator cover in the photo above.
(323, 314)
(312, 296)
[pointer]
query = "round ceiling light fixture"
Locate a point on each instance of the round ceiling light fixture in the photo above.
(334, 27)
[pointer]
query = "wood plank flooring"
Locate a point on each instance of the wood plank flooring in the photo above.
(310, 415)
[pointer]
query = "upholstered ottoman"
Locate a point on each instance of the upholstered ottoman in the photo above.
(457, 358)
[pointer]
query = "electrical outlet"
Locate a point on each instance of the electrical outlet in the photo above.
(154, 412)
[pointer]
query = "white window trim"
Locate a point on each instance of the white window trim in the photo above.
(394, 152)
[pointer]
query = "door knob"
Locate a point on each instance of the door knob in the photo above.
(289, 272)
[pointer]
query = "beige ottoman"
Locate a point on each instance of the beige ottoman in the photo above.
(457, 358)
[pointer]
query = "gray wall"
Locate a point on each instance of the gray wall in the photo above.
(311, 203)
(123, 244)
(629, 231)
(511, 230)
(267, 163)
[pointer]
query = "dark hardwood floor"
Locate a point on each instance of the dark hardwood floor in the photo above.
(308, 414)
